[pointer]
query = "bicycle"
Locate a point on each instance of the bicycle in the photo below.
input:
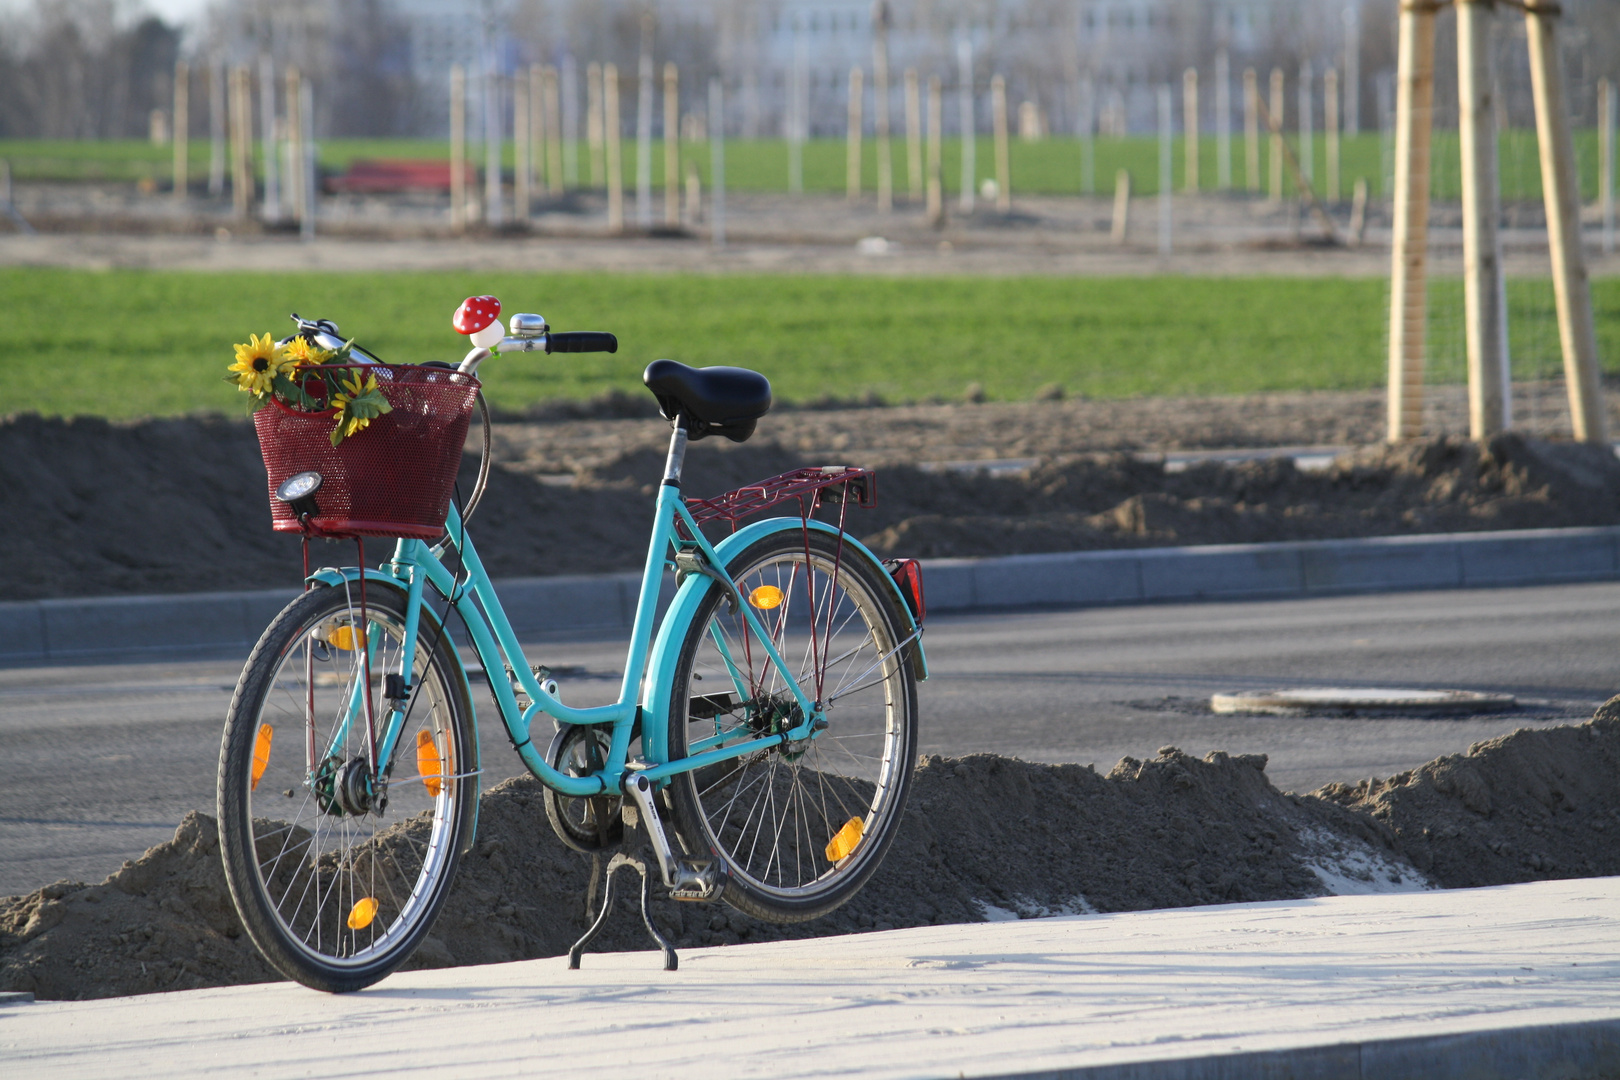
(769, 717)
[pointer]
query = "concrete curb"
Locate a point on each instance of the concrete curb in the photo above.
(1584, 1049)
(92, 627)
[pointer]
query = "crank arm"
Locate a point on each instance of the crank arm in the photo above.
(684, 880)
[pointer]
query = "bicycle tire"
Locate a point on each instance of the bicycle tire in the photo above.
(335, 886)
(778, 853)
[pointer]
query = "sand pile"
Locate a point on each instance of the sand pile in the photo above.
(180, 505)
(985, 837)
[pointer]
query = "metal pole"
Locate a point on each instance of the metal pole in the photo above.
(1276, 134)
(568, 101)
(1562, 197)
(914, 173)
(1307, 120)
(717, 162)
(936, 179)
(298, 197)
(1223, 121)
(560, 152)
(1484, 293)
(799, 124)
(998, 119)
(182, 128)
(852, 141)
(522, 142)
(1189, 123)
(306, 125)
(458, 145)
(672, 146)
(1166, 135)
(1408, 280)
(539, 133)
(593, 121)
(267, 126)
(494, 139)
(1352, 70)
(216, 127)
(1330, 128)
(1086, 127)
(880, 105)
(644, 111)
(964, 103)
(1251, 129)
(610, 131)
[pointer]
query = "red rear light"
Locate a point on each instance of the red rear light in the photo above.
(907, 574)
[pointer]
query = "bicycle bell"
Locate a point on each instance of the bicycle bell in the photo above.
(527, 326)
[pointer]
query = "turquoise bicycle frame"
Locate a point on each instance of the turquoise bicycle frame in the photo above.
(416, 565)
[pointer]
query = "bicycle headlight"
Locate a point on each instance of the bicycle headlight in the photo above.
(298, 491)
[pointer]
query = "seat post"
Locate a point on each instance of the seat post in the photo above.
(677, 452)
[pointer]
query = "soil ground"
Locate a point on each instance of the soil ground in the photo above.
(993, 837)
(180, 505)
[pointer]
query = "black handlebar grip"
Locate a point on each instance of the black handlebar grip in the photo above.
(581, 341)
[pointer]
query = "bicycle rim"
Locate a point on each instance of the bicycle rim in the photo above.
(800, 828)
(346, 869)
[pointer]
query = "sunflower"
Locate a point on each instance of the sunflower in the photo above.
(257, 365)
(302, 352)
(359, 402)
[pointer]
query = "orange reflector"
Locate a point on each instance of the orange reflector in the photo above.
(846, 840)
(362, 913)
(261, 755)
(428, 764)
(343, 637)
(766, 597)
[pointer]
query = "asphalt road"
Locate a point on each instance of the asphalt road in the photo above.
(98, 762)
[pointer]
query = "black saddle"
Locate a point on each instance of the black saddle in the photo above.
(715, 400)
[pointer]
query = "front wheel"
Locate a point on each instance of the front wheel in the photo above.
(338, 869)
(799, 827)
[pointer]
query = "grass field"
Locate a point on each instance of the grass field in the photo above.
(1051, 166)
(134, 343)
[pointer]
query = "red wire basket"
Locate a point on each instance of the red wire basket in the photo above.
(393, 477)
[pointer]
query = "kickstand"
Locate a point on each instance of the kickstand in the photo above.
(671, 961)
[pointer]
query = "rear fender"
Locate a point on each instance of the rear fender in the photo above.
(665, 657)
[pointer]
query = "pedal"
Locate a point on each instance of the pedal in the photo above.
(696, 883)
(685, 880)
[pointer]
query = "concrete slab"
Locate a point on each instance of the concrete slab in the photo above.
(1516, 981)
(1535, 557)
(1226, 570)
(1381, 563)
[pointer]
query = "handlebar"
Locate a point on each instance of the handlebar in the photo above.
(573, 341)
(581, 341)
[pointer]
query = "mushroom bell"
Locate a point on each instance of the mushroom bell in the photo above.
(478, 317)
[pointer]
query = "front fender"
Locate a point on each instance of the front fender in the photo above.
(665, 657)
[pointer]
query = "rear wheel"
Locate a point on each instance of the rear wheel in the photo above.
(338, 871)
(799, 828)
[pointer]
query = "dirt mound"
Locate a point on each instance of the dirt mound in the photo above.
(1533, 805)
(179, 505)
(984, 837)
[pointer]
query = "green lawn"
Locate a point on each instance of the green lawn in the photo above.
(134, 343)
(1051, 166)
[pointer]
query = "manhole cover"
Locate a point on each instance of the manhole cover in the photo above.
(1355, 701)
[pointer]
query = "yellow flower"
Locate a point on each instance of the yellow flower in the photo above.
(357, 404)
(257, 365)
(300, 351)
